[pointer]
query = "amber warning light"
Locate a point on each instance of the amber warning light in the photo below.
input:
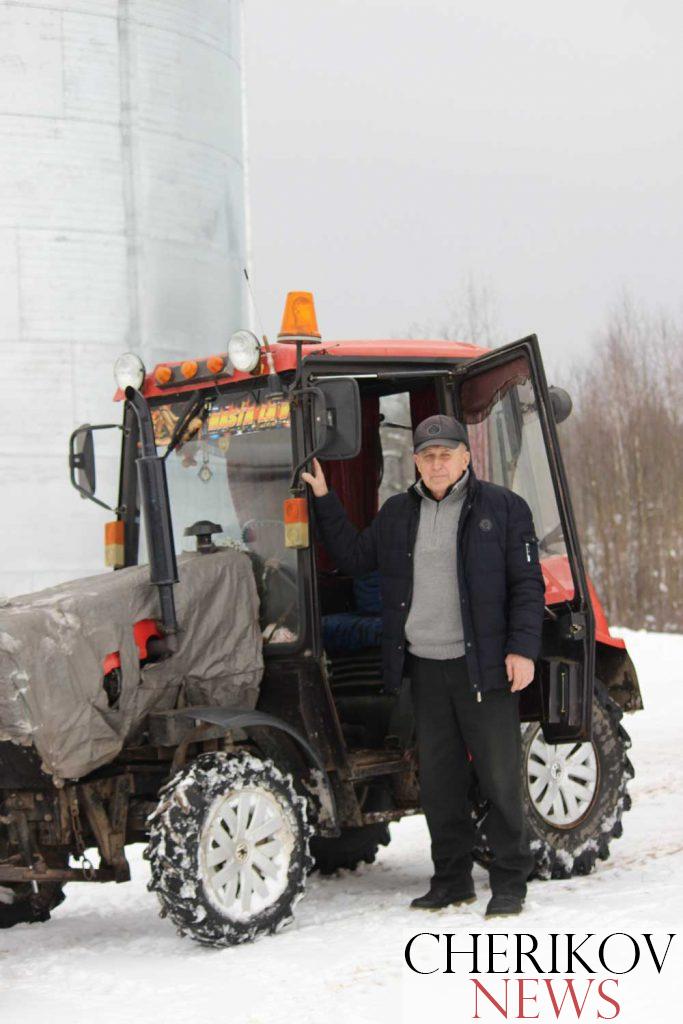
(299, 321)
(114, 544)
(295, 515)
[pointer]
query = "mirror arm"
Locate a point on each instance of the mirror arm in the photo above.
(296, 391)
(389, 375)
(294, 485)
(296, 383)
(110, 508)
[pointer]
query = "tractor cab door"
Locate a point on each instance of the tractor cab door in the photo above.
(504, 401)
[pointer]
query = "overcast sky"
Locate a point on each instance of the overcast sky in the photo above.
(396, 148)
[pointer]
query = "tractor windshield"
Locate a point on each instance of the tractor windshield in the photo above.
(233, 468)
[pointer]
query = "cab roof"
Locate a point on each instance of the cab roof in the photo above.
(284, 358)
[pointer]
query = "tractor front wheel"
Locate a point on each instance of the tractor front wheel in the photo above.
(229, 848)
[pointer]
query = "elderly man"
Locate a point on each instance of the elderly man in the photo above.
(463, 600)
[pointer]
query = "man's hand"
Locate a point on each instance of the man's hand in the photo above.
(520, 671)
(316, 480)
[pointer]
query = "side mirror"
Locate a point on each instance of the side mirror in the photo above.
(82, 461)
(560, 402)
(337, 419)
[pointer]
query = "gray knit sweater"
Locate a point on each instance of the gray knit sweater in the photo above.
(434, 624)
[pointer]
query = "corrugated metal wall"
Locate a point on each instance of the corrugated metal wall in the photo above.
(122, 226)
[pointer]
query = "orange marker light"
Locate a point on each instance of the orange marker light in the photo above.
(215, 364)
(295, 515)
(189, 369)
(163, 374)
(114, 544)
(299, 319)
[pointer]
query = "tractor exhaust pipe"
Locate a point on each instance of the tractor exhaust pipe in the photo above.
(163, 570)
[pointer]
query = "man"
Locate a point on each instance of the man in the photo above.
(463, 591)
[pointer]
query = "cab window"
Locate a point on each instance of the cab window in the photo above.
(501, 412)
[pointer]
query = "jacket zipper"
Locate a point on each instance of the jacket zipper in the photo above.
(411, 545)
(411, 555)
(461, 571)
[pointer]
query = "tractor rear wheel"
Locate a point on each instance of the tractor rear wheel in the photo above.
(353, 847)
(574, 794)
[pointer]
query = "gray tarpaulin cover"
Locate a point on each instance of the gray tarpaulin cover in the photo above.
(52, 647)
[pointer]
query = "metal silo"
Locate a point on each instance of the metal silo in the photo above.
(122, 226)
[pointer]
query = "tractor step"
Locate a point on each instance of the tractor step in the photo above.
(366, 764)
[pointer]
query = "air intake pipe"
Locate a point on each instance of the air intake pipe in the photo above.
(156, 507)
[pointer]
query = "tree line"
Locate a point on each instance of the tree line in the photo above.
(623, 450)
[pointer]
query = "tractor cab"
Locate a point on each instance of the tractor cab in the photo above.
(511, 418)
(233, 434)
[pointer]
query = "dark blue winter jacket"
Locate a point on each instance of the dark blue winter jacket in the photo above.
(500, 580)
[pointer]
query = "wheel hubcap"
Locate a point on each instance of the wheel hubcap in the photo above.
(562, 780)
(245, 850)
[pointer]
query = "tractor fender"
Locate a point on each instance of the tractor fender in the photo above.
(234, 718)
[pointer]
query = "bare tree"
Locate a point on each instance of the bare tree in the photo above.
(623, 446)
(471, 316)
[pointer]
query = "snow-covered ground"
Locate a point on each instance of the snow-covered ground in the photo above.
(107, 957)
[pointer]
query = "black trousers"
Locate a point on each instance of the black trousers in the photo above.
(449, 722)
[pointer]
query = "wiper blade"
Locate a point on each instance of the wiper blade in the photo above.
(199, 404)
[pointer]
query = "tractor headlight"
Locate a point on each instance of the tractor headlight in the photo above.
(244, 351)
(129, 371)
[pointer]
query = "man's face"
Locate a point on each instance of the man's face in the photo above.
(440, 466)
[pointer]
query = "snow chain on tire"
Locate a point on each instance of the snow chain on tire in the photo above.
(220, 817)
(564, 852)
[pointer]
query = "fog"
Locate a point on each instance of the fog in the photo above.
(398, 149)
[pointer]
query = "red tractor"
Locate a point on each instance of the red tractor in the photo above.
(225, 704)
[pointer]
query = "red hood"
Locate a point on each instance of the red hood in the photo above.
(559, 586)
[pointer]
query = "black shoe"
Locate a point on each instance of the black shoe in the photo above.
(504, 905)
(444, 894)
